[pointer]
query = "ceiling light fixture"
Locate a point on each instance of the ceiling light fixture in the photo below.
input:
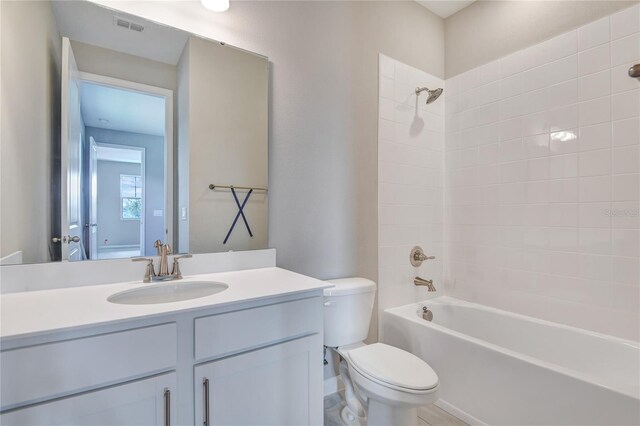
(216, 5)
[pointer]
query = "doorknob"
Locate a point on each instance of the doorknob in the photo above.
(68, 239)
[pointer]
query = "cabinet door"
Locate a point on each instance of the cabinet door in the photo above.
(276, 385)
(143, 402)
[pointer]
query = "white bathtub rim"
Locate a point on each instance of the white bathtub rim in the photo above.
(453, 301)
(625, 390)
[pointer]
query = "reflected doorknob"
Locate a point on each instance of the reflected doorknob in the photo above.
(68, 239)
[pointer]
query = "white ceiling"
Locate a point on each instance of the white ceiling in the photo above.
(91, 24)
(445, 8)
(109, 153)
(124, 110)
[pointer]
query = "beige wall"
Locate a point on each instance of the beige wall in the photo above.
(227, 144)
(488, 30)
(107, 62)
(30, 128)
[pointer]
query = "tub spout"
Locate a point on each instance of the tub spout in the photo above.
(422, 282)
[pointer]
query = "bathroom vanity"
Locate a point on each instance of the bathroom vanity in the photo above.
(251, 354)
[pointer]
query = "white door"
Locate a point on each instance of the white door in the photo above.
(143, 402)
(93, 202)
(71, 157)
(277, 385)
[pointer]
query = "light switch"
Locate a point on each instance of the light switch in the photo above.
(183, 213)
(157, 213)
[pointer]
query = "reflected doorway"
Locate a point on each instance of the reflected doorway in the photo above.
(117, 201)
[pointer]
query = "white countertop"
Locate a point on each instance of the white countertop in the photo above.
(36, 312)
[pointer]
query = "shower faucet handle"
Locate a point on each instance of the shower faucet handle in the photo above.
(417, 256)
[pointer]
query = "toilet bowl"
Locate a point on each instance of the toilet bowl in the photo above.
(384, 385)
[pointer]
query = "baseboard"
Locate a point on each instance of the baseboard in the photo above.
(333, 385)
(462, 415)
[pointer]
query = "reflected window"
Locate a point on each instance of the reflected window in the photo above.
(131, 197)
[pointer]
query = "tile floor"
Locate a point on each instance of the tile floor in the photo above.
(430, 416)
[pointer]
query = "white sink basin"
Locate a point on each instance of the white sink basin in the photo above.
(167, 292)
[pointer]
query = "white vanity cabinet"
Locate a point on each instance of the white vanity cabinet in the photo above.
(268, 369)
(275, 385)
(257, 362)
(93, 380)
(142, 402)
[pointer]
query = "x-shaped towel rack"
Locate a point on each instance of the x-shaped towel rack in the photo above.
(240, 206)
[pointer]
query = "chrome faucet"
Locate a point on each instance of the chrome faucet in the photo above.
(163, 275)
(422, 282)
(163, 252)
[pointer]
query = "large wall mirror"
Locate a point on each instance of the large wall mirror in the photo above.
(117, 132)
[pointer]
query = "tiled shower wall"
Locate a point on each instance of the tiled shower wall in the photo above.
(542, 181)
(410, 179)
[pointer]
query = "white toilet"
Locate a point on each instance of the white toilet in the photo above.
(384, 385)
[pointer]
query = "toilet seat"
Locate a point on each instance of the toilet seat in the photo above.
(393, 367)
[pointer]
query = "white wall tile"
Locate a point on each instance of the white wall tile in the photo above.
(594, 163)
(594, 111)
(625, 104)
(595, 137)
(626, 187)
(625, 270)
(594, 60)
(563, 166)
(536, 146)
(596, 188)
(551, 186)
(594, 240)
(625, 242)
(626, 132)
(594, 215)
(594, 86)
(625, 214)
(626, 49)
(387, 66)
(625, 22)
(410, 176)
(620, 81)
(593, 34)
(626, 160)
(386, 88)
(562, 118)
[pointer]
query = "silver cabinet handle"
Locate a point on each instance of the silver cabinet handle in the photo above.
(167, 407)
(205, 385)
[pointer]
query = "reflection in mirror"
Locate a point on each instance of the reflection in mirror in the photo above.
(113, 130)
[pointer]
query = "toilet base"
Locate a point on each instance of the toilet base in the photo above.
(381, 414)
(349, 418)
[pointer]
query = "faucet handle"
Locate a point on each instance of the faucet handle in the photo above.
(417, 256)
(175, 271)
(149, 272)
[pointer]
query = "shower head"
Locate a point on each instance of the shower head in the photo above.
(432, 94)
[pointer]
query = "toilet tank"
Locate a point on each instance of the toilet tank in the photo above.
(347, 311)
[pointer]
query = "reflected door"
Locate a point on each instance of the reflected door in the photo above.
(71, 157)
(93, 203)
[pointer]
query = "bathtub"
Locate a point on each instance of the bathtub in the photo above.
(501, 368)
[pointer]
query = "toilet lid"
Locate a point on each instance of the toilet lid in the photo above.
(394, 366)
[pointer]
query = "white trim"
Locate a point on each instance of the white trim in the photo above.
(14, 258)
(167, 94)
(456, 412)
(332, 385)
